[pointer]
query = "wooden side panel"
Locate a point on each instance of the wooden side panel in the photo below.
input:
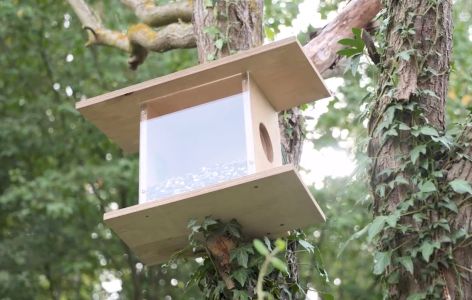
(265, 128)
(267, 203)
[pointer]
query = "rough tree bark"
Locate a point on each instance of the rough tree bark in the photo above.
(422, 78)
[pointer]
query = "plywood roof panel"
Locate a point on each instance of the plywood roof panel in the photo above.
(281, 70)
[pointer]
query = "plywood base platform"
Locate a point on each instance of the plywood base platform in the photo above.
(267, 203)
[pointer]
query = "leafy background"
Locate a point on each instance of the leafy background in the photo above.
(59, 174)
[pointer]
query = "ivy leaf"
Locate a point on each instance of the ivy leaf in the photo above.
(260, 247)
(405, 55)
(376, 226)
(407, 263)
(240, 295)
(241, 254)
(427, 187)
(428, 130)
(219, 43)
(241, 275)
(417, 296)
(415, 153)
(427, 249)
(308, 246)
(381, 261)
(403, 126)
(392, 219)
(208, 222)
(451, 205)
(460, 186)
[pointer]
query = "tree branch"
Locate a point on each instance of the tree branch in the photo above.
(97, 33)
(140, 38)
(151, 14)
(143, 39)
(323, 48)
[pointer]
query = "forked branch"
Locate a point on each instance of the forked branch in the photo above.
(141, 38)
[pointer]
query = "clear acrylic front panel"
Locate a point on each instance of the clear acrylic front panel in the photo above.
(194, 148)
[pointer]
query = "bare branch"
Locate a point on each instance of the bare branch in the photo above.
(151, 14)
(98, 34)
(323, 48)
(143, 38)
(140, 38)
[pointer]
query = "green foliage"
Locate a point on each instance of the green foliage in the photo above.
(256, 265)
(59, 172)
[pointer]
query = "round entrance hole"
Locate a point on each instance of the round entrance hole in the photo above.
(266, 142)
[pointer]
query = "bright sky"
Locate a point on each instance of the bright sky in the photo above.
(328, 161)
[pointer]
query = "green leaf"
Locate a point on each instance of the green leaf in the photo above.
(417, 296)
(241, 275)
(427, 249)
(376, 226)
(241, 254)
(451, 205)
(240, 295)
(405, 55)
(355, 236)
(307, 245)
(427, 187)
(392, 219)
(407, 263)
(280, 244)
(355, 64)
(211, 56)
(260, 247)
(348, 52)
(381, 261)
(208, 222)
(403, 126)
(269, 33)
(278, 264)
(326, 296)
(428, 130)
(460, 186)
(415, 153)
(219, 44)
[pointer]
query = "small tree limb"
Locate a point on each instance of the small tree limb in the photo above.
(97, 33)
(323, 48)
(139, 40)
(155, 16)
(143, 39)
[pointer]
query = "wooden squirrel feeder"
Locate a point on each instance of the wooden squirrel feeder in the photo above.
(209, 145)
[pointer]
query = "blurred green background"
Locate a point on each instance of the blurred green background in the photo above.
(59, 174)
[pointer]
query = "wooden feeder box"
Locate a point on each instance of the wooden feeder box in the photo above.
(209, 145)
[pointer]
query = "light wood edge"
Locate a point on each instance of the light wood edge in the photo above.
(311, 196)
(312, 64)
(148, 205)
(186, 72)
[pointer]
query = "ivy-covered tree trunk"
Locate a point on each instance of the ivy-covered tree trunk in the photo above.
(223, 28)
(418, 176)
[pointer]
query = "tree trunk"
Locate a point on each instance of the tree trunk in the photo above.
(414, 71)
(228, 27)
(236, 24)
